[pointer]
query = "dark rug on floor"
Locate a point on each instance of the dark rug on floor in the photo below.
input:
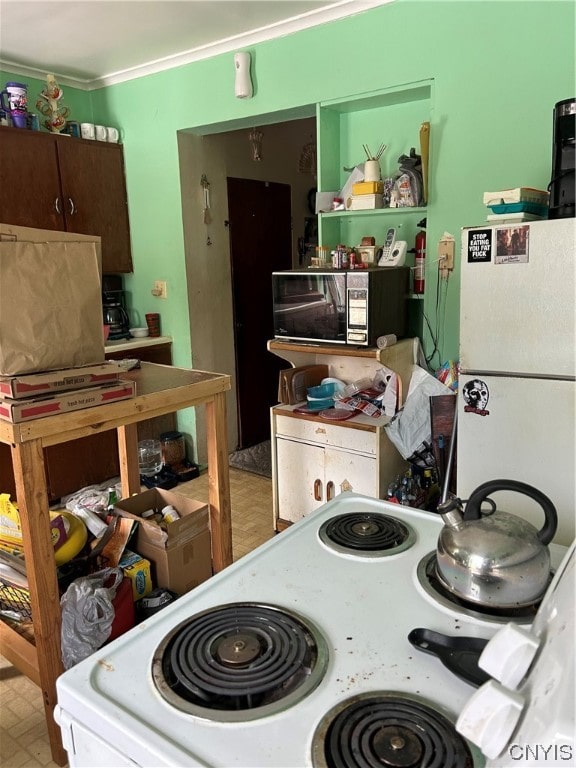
(256, 459)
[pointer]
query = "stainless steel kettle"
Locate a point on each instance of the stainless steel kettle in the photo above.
(491, 557)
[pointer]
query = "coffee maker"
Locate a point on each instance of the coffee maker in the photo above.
(114, 311)
(561, 186)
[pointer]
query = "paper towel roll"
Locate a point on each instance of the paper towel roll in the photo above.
(386, 341)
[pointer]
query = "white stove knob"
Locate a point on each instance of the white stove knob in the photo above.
(490, 717)
(509, 654)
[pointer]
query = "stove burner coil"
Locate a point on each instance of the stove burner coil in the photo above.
(369, 534)
(388, 730)
(239, 662)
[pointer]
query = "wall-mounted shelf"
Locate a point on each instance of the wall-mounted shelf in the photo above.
(377, 212)
(392, 116)
(350, 363)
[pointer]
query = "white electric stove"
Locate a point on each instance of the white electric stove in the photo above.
(297, 655)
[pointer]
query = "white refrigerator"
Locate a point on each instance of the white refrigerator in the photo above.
(516, 390)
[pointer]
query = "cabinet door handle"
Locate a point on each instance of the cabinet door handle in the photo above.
(330, 490)
(57, 205)
(318, 489)
(72, 206)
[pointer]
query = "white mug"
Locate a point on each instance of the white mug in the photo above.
(100, 132)
(87, 130)
(112, 134)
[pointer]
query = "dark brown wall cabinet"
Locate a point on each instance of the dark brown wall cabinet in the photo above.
(62, 183)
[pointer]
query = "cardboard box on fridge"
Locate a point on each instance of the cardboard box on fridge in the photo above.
(180, 555)
(50, 301)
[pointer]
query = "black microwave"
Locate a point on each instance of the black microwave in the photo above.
(340, 306)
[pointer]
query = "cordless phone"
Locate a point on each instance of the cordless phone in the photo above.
(388, 247)
(393, 252)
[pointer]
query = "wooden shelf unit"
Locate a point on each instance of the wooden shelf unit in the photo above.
(314, 459)
(160, 389)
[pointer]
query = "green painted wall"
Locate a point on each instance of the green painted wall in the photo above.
(498, 69)
(78, 101)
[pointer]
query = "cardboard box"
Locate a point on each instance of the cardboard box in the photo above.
(368, 188)
(180, 555)
(17, 411)
(35, 384)
(364, 202)
(50, 302)
(137, 569)
(367, 253)
(516, 195)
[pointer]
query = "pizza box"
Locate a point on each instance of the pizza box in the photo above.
(17, 411)
(34, 384)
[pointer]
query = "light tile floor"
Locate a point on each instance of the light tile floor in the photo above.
(23, 737)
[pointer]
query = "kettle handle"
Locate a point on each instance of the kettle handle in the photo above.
(472, 508)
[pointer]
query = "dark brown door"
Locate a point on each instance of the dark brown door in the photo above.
(260, 243)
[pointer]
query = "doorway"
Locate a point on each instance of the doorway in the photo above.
(260, 231)
(221, 155)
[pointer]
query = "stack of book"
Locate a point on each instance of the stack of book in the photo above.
(516, 205)
(37, 395)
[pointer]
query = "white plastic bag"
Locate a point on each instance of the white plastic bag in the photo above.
(87, 614)
(411, 427)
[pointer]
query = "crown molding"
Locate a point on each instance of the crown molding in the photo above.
(335, 12)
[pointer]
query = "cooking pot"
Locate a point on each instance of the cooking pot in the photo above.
(491, 557)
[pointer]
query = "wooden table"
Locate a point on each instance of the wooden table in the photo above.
(160, 389)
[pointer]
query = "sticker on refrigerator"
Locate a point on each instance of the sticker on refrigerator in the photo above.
(512, 245)
(476, 396)
(479, 246)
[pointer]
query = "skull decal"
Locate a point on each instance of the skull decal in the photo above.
(475, 394)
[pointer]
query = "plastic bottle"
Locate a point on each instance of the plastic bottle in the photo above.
(419, 262)
(169, 514)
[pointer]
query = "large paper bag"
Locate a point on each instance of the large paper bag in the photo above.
(50, 306)
(13, 233)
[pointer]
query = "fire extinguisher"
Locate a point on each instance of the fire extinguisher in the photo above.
(419, 260)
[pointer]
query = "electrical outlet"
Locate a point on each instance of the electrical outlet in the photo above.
(160, 289)
(446, 255)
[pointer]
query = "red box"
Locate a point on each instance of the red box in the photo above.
(124, 611)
